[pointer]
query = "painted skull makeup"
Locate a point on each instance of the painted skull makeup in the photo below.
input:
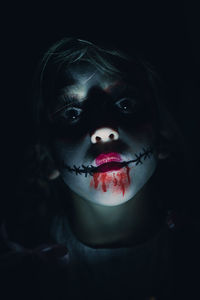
(103, 138)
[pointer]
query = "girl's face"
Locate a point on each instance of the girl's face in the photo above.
(103, 136)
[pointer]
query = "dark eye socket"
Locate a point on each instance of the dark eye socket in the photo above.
(71, 114)
(126, 105)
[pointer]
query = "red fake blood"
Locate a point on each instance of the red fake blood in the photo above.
(95, 182)
(114, 180)
(103, 180)
(121, 184)
(128, 174)
(118, 181)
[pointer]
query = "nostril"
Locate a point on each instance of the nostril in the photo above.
(103, 135)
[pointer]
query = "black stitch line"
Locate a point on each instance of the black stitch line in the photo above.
(91, 169)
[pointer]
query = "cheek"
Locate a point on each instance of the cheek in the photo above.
(147, 128)
(146, 132)
(66, 148)
(118, 182)
(62, 152)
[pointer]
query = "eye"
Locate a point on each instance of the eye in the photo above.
(71, 114)
(126, 105)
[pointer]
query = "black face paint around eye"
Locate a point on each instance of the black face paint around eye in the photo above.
(73, 121)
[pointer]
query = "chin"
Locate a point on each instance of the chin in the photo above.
(111, 198)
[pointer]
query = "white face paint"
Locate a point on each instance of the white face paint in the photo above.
(111, 159)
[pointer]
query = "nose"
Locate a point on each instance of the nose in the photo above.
(103, 135)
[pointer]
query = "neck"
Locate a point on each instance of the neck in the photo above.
(113, 226)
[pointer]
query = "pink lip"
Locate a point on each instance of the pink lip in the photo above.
(106, 158)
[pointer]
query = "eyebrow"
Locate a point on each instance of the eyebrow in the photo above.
(68, 101)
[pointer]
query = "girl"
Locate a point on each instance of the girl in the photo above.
(102, 180)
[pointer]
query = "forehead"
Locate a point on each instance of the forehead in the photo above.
(84, 76)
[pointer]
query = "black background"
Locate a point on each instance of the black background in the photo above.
(164, 32)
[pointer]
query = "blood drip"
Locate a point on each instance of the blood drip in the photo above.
(103, 180)
(96, 182)
(114, 180)
(119, 181)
